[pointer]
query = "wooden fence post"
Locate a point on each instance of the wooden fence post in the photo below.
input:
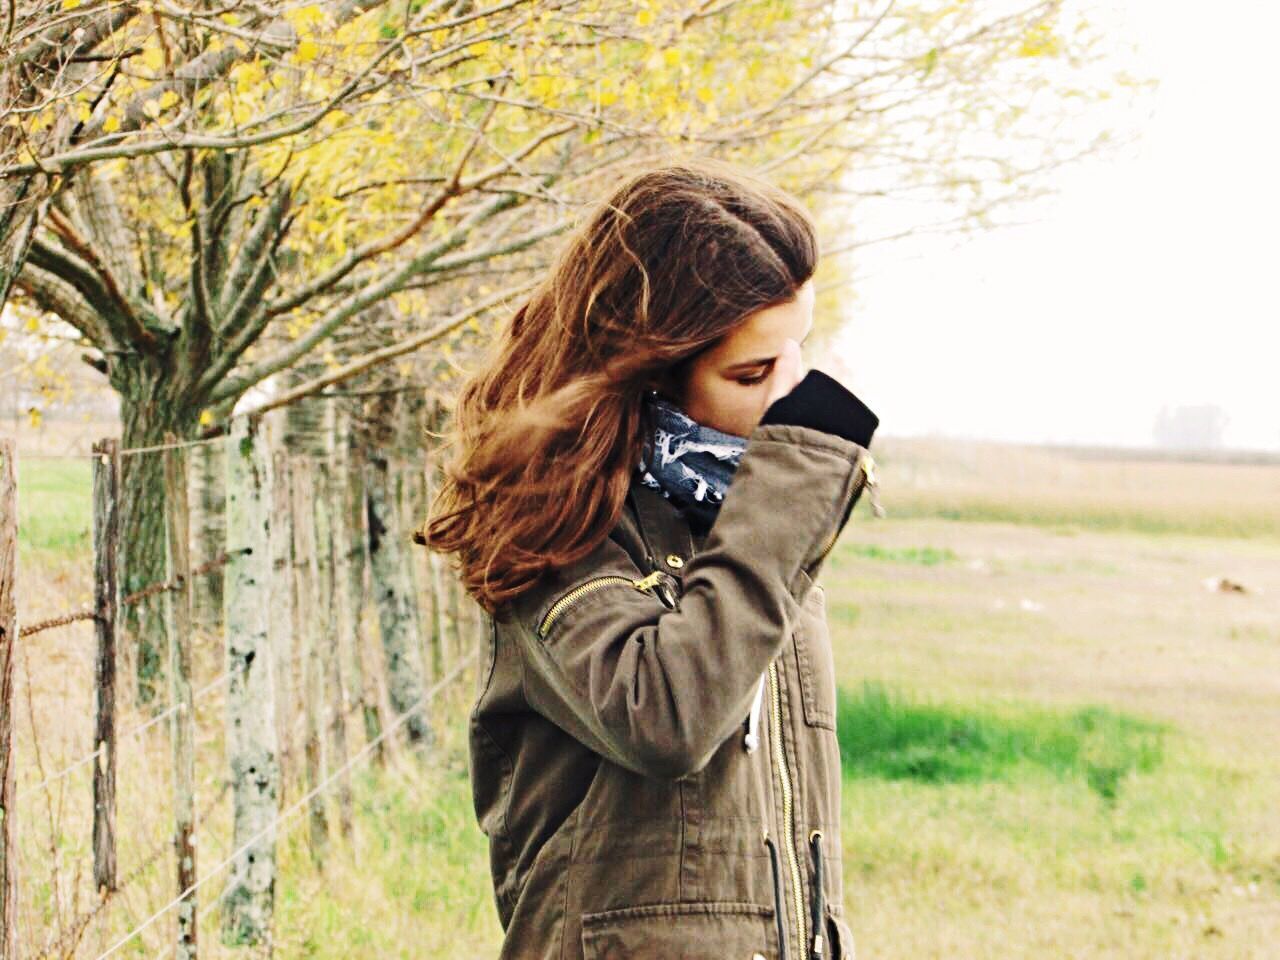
(440, 654)
(309, 576)
(281, 622)
(106, 542)
(393, 594)
(331, 638)
(252, 748)
(350, 559)
(182, 722)
(8, 637)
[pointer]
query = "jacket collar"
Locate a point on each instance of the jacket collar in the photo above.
(662, 527)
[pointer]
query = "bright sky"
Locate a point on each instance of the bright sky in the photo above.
(1150, 280)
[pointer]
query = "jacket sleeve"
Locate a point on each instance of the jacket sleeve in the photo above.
(658, 690)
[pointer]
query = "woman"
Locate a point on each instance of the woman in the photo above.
(653, 749)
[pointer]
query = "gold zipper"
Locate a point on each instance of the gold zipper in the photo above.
(648, 582)
(775, 731)
(867, 478)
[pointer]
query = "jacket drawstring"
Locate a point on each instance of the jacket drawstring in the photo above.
(818, 921)
(777, 895)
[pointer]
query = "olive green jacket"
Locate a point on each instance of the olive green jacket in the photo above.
(626, 814)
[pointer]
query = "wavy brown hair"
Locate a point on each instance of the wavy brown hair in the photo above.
(545, 435)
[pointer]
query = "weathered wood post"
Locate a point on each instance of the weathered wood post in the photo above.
(351, 559)
(329, 641)
(8, 637)
(281, 622)
(440, 654)
(252, 748)
(312, 690)
(182, 720)
(106, 543)
(396, 604)
(207, 502)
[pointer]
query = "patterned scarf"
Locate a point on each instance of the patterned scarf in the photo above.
(690, 463)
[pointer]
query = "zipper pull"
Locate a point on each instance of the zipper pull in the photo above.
(659, 582)
(872, 484)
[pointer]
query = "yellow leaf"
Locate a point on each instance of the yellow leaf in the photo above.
(206, 418)
(305, 17)
(706, 94)
(34, 416)
(671, 56)
(644, 18)
(32, 325)
(306, 51)
(70, 4)
(168, 99)
(85, 113)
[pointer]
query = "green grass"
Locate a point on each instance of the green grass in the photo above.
(1243, 522)
(884, 734)
(55, 506)
(921, 556)
(415, 884)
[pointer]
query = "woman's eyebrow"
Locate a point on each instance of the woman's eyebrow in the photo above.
(760, 361)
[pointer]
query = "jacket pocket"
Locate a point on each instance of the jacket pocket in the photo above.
(811, 639)
(708, 930)
(841, 937)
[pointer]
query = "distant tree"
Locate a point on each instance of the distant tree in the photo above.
(1195, 427)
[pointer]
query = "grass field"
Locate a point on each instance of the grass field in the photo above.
(1058, 742)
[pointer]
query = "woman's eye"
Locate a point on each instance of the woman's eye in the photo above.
(747, 381)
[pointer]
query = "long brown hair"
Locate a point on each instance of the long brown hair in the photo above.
(545, 435)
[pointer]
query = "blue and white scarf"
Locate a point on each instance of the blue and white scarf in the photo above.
(690, 463)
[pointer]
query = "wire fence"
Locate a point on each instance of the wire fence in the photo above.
(364, 753)
(315, 690)
(136, 731)
(88, 613)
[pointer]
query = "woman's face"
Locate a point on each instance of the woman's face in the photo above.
(727, 384)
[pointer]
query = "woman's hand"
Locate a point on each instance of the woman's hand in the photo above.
(787, 372)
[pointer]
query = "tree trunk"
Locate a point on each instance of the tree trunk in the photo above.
(147, 414)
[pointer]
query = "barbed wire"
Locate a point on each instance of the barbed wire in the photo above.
(88, 613)
(130, 451)
(22, 457)
(140, 728)
(58, 621)
(175, 584)
(81, 923)
(306, 798)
